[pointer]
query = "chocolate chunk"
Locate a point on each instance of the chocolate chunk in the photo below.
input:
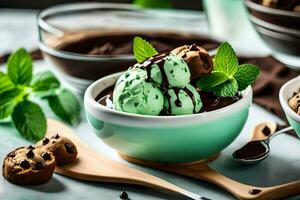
(45, 141)
(254, 191)
(124, 195)
(266, 131)
(55, 136)
(25, 164)
(46, 156)
(70, 148)
(31, 147)
(30, 153)
(193, 47)
(39, 165)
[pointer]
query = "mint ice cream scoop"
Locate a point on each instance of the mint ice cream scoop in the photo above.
(167, 70)
(182, 101)
(134, 94)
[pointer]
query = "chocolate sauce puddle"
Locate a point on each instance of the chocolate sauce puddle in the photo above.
(252, 150)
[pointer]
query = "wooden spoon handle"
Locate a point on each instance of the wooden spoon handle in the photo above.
(200, 170)
(244, 191)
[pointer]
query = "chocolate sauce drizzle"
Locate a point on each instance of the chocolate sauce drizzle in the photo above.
(159, 60)
(177, 101)
(192, 97)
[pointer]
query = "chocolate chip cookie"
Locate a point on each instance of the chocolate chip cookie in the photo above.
(63, 149)
(28, 166)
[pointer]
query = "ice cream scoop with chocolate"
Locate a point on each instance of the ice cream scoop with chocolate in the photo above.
(183, 81)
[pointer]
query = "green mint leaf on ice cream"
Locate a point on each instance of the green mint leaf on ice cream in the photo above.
(226, 60)
(246, 75)
(228, 77)
(19, 86)
(142, 49)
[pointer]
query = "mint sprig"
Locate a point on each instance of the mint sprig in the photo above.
(142, 49)
(19, 87)
(5, 83)
(45, 81)
(19, 67)
(246, 75)
(29, 120)
(65, 105)
(228, 77)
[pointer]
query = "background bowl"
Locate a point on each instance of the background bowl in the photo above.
(280, 29)
(286, 92)
(170, 139)
(87, 23)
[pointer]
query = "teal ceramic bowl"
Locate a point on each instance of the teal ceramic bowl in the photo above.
(286, 92)
(167, 139)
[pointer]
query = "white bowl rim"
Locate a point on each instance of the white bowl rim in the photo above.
(284, 101)
(113, 116)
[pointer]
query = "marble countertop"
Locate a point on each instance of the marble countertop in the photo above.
(18, 28)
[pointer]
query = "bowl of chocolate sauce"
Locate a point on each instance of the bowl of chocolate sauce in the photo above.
(87, 41)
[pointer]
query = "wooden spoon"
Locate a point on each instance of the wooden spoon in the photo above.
(93, 166)
(201, 170)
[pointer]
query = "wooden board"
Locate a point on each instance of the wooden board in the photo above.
(96, 167)
(92, 166)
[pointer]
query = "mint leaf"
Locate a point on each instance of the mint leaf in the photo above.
(5, 83)
(227, 89)
(65, 105)
(44, 81)
(142, 49)
(246, 75)
(8, 101)
(19, 67)
(209, 81)
(153, 3)
(226, 60)
(29, 120)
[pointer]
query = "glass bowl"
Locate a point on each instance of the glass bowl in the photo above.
(72, 35)
(280, 30)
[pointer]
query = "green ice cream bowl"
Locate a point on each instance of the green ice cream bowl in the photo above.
(286, 92)
(166, 139)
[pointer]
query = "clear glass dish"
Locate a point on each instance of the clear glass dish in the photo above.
(65, 23)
